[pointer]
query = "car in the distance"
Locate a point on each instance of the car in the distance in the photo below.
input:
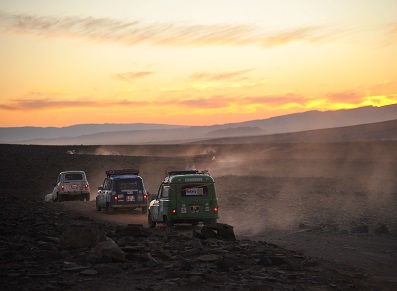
(71, 185)
(122, 188)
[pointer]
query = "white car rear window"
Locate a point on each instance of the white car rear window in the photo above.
(73, 177)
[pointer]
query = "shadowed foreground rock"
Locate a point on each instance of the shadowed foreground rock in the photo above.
(43, 248)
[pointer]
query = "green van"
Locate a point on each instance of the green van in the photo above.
(184, 197)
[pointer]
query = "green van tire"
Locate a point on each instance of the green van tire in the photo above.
(152, 224)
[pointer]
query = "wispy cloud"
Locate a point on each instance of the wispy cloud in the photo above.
(308, 34)
(45, 104)
(393, 34)
(38, 104)
(276, 100)
(40, 101)
(220, 101)
(393, 29)
(214, 102)
(134, 32)
(346, 97)
(131, 76)
(209, 76)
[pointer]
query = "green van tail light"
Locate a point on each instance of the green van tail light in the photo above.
(86, 186)
(215, 209)
(173, 211)
(115, 198)
(144, 197)
(63, 187)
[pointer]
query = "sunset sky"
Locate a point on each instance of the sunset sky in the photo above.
(192, 62)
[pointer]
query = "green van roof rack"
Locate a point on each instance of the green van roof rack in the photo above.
(186, 172)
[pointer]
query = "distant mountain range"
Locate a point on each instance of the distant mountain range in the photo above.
(378, 131)
(140, 133)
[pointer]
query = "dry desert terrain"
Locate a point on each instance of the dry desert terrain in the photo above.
(336, 202)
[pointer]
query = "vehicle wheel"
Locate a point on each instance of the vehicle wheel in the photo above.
(144, 209)
(152, 224)
(210, 221)
(87, 197)
(56, 198)
(167, 223)
(59, 198)
(110, 209)
(98, 208)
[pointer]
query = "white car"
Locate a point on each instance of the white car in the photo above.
(71, 185)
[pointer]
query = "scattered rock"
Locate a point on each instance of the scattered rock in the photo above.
(362, 228)
(110, 249)
(381, 229)
(219, 231)
(48, 197)
(43, 248)
(135, 230)
(82, 235)
(208, 258)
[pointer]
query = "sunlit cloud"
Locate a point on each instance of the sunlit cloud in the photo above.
(38, 104)
(131, 76)
(380, 100)
(393, 31)
(384, 83)
(276, 101)
(43, 104)
(309, 34)
(135, 31)
(224, 80)
(346, 97)
(391, 36)
(239, 102)
(209, 76)
(207, 105)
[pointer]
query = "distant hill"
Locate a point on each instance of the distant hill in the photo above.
(327, 119)
(386, 130)
(27, 133)
(140, 133)
(235, 131)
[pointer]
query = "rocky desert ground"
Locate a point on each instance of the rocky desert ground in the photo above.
(306, 216)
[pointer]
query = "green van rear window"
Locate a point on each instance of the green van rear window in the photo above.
(194, 191)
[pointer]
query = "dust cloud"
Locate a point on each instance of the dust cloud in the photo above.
(292, 186)
(277, 186)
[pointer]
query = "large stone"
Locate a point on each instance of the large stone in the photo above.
(219, 231)
(109, 249)
(381, 229)
(209, 258)
(82, 235)
(136, 230)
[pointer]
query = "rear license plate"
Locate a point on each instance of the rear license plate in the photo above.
(130, 198)
(195, 209)
(74, 186)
